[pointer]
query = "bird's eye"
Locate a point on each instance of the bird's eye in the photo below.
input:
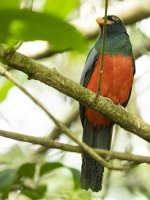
(115, 18)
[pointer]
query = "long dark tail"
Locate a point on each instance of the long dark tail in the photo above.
(92, 171)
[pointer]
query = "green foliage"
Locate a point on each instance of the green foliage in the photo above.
(25, 180)
(14, 155)
(59, 7)
(5, 86)
(76, 177)
(27, 170)
(47, 167)
(9, 4)
(41, 189)
(7, 177)
(28, 26)
(22, 176)
(22, 179)
(36, 193)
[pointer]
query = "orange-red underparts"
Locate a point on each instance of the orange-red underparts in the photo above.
(116, 84)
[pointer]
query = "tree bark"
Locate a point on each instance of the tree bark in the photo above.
(51, 77)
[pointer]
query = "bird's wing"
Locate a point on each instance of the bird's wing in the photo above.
(86, 74)
(89, 66)
(133, 64)
(134, 71)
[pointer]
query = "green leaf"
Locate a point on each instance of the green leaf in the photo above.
(27, 170)
(28, 26)
(7, 177)
(41, 190)
(9, 4)
(30, 193)
(47, 167)
(35, 193)
(5, 86)
(60, 8)
(76, 177)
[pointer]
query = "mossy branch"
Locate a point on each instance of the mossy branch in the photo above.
(51, 77)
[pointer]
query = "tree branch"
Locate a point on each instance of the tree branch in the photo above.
(51, 77)
(59, 124)
(109, 155)
(67, 120)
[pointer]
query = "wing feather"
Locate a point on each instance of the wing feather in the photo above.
(90, 64)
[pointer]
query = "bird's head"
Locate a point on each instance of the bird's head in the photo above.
(113, 22)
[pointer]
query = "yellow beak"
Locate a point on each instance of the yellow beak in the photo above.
(100, 21)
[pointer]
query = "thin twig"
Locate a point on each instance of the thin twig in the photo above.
(9, 76)
(17, 45)
(55, 133)
(84, 146)
(61, 126)
(103, 48)
(109, 155)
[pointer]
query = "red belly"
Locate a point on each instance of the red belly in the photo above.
(116, 84)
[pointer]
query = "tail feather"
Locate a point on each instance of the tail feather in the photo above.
(92, 171)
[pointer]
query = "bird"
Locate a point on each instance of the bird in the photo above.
(116, 84)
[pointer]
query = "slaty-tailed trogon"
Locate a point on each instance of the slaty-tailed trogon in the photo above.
(116, 84)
